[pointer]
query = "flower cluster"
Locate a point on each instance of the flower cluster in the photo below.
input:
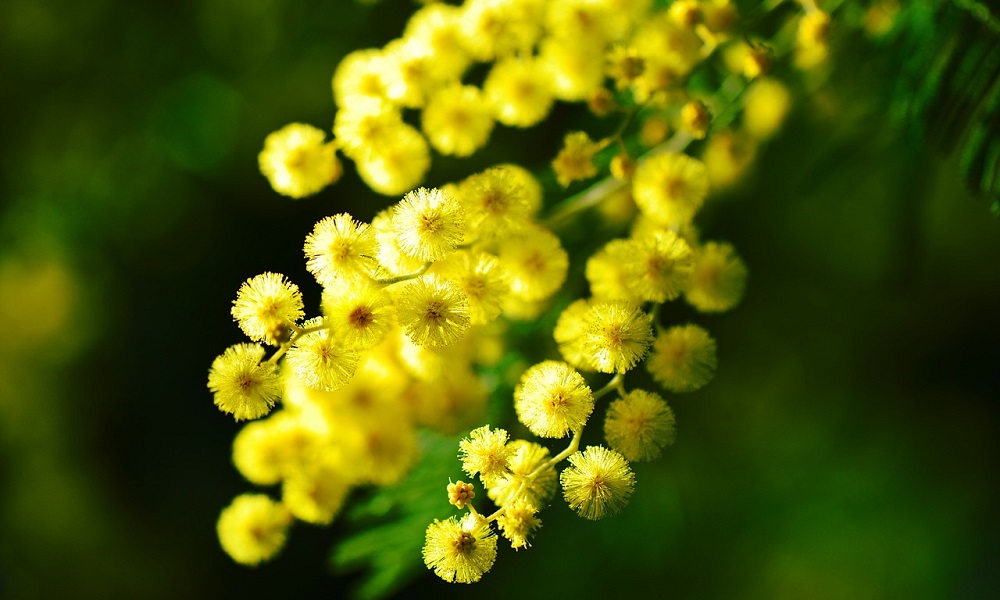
(410, 298)
(407, 300)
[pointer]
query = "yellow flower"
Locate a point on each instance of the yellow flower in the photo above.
(428, 224)
(390, 257)
(457, 120)
(264, 451)
(526, 481)
(669, 188)
(433, 311)
(517, 522)
(409, 72)
(574, 67)
(553, 400)
(322, 360)
(718, 279)
(536, 263)
(360, 313)
(639, 425)
(340, 248)
(438, 28)
(359, 75)
(617, 337)
(297, 162)
(765, 106)
(683, 358)
(608, 272)
(669, 52)
(365, 125)
(497, 28)
(696, 119)
(497, 202)
(598, 482)
(460, 551)
(659, 267)
(570, 329)
(315, 493)
(481, 278)
(576, 159)
(241, 384)
(486, 452)
(253, 528)
(266, 306)
(518, 92)
(396, 165)
(379, 448)
(727, 155)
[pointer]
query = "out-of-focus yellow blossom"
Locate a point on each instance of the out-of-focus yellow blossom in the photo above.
(297, 161)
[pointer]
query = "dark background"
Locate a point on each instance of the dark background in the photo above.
(847, 447)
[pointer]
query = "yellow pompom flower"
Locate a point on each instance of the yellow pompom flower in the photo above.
(669, 52)
(574, 20)
(297, 162)
(433, 311)
(718, 279)
(359, 76)
(366, 125)
(536, 263)
(486, 452)
(253, 528)
(727, 155)
(497, 28)
(452, 402)
(683, 358)
(316, 492)
(264, 451)
(623, 64)
(618, 335)
(639, 425)
(428, 224)
(518, 92)
(340, 248)
(765, 106)
(409, 72)
(669, 188)
(812, 40)
(497, 202)
(574, 67)
(575, 160)
(608, 272)
(659, 266)
(521, 178)
(696, 119)
(457, 120)
(398, 164)
(598, 482)
(360, 313)
(527, 481)
(390, 258)
(553, 400)
(380, 448)
(242, 385)
(438, 28)
(322, 360)
(460, 551)
(266, 306)
(481, 278)
(517, 522)
(570, 329)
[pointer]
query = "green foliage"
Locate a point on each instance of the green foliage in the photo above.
(948, 88)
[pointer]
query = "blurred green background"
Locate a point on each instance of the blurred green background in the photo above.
(848, 447)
